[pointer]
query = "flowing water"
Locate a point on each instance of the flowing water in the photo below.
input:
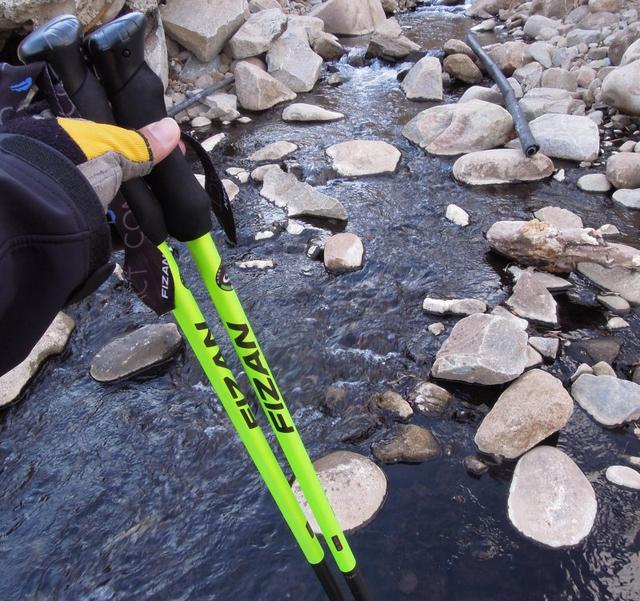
(140, 490)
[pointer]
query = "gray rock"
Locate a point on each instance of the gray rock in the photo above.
(474, 466)
(257, 90)
(583, 36)
(424, 80)
(501, 166)
(623, 170)
(457, 215)
(201, 26)
(222, 106)
(541, 27)
(53, 342)
(343, 252)
(155, 49)
(464, 306)
(256, 34)
(299, 198)
(274, 151)
(568, 137)
(610, 401)
(389, 43)
(458, 128)
(430, 399)
(481, 93)
(523, 324)
(326, 45)
(292, 62)
(547, 347)
(541, 53)
(350, 17)
(136, 352)
(541, 101)
(461, 67)
(560, 78)
(458, 47)
(622, 475)
(309, 112)
(363, 157)
(582, 369)
(602, 368)
(594, 182)
(560, 218)
(619, 88)
(257, 175)
(355, 486)
(533, 408)
(534, 358)
(482, 349)
(392, 403)
(550, 499)
(617, 323)
(407, 444)
(509, 56)
(529, 76)
(616, 304)
(533, 301)
(625, 282)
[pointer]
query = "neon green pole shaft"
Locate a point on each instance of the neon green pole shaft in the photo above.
(234, 319)
(193, 325)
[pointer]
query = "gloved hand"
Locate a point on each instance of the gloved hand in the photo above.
(105, 154)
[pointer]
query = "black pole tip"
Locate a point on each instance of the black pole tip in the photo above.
(357, 586)
(328, 581)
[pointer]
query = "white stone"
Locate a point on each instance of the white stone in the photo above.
(350, 17)
(436, 328)
(274, 151)
(463, 306)
(457, 215)
(629, 199)
(424, 80)
(594, 182)
(617, 323)
(622, 475)
(569, 137)
(309, 112)
(501, 166)
(257, 264)
(363, 157)
(256, 34)
(257, 90)
(231, 188)
(210, 143)
(292, 62)
(343, 252)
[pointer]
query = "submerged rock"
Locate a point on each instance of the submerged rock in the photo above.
(482, 349)
(424, 80)
(136, 352)
(392, 403)
(274, 151)
(309, 112)
(458, 306)
(609, 400)
(622, 475)
(625, 282)
(501, 166)
(533, 301)
(343, 252)
(53, 342)
(363, 157)
(257, 90)
(550, 499)
(407, 444)
(533, 408)
(355, 486)
(430, 399)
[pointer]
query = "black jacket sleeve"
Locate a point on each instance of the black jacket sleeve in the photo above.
(54, 242)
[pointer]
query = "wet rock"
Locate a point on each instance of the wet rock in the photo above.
(474, 466)
(201, 122)
(594, 182)
(201, 26)
(551, 282)
(343, 252)
(623, 170)
(625, 282)
(616, 304)
(436, 328)
(256, 34)
(602, 368)
(363, 157)
(257, 90)
(299, 198)
(622, 475)
(350, 17)
(501, 166)
(458, 128)
(598, 349)
(309, 112)
(609, 400)
(482, 349)
(533, 408)
(257, 175)
(550, 499)
(392, 403)
(461, 67)
(547, 347)
(542, 101)
(210, 143)
(231, 188)
(560, 218)
(457, 215)
(617, 323)
(430, 399)
(292, 62)
(407, 444)
(424, 80)
(629, 199)
(136, 352)
(464, 306)
(619, 88)
(53, 342)
(274, 151)
(568, 137)
(387, 42)
(355, 486)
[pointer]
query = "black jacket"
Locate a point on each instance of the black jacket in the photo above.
(54, 242)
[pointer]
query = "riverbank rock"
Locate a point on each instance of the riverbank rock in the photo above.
(257, 90)
(292, 62)
(363, 157)
(509, 56)
(501, 166)
(541, 101)
(620, 89)
(594, 182)
(623, 170)
(53, 342)
(622, 475)
(547, 347)
(299, 198)
(460, 128)
(136, 352)
(430, 399)
(461, 67)
(533, 408)
(609, 400)
(201, 26)
(407, 444)
(569, 137)
(343, 252)
(309, 112)
(458, 306)
(274, 151)
(350, 17)
(388, 42)
(256, 34)
(532, 301)
(355, 486)
(625, 282)
(550, 499)
(482, 349)
(424, 80)
(630, 199)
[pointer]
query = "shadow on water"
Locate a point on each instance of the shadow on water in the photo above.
(140, 490)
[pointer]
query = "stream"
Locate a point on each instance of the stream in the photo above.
(140, 490)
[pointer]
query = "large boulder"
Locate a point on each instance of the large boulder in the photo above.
(621, 88)
(550, 499)
(350, 17)
(482, 349)
(501, 166)
(569, 137)
(363, 157)
(460, 128)
(202, 26)
(609, 400)
(623, 170)
(540, 101)
(424, 80)
(257, 33)
(292, 62)
(389, 43)
(533, 408)
(257, 90)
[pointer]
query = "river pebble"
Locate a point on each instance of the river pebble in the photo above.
(274, 151)
(407, 444)
(392, 403)
(343, 252)
(609, 400)
(622, 475)
(629, 199)
(430, 399)
(457, 215)
(363, 157)
(462, 306)
(309, 112)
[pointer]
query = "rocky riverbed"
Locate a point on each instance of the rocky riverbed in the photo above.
(477, 339)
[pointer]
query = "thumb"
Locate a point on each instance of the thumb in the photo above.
(162, 136)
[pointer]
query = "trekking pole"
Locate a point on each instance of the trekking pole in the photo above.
(59, 43)
(137, 97)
